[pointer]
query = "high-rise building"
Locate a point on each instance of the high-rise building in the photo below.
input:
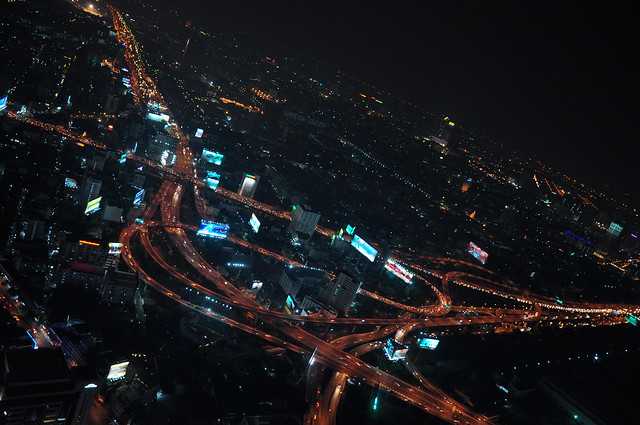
(119, 288)
(90, 189)
(162, 148)
(303, 221)
(83, 406)
(447, 134)
(36, 387)
(112, 214)
(340, 292)
(249, 185)
(294, 280)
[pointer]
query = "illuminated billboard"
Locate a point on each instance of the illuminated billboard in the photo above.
(157, 117)
(212, 180)
(115, 248)
(3, 102)
(254, 223)
(123, 158)
(93, 206)
(398, 270)
(249, 185)
(615, 229)
(70, 183)
(212, 157)
(199, 133)
(211, 229)
(117, 371)
(137, 200)
(350, 229)
(477, 253)
(364, 248)
(428, 343)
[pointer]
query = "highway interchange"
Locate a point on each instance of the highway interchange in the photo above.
(289, 332)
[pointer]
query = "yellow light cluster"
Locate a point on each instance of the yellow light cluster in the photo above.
(249, 108)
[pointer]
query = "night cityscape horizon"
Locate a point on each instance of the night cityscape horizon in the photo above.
(245, 214)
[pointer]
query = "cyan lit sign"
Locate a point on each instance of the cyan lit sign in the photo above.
(364, 248)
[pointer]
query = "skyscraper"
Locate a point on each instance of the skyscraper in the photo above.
(303, 221)
(446, 135)
(90, 189)
(36, 387)
(340, 292)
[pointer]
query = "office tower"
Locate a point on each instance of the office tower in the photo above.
(162, 148)
(297, 281)
(340, 292)
(85, 401)
(90, 190)
(447, 135)
(36, 387)
(303, 221)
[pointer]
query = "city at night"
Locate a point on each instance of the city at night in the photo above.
(299, 213)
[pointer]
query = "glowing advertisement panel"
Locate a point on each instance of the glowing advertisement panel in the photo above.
(615, 229)
(350, 229)
(70, 183)
(158, 117)
(137, 200)
(211, 229)
(428, 343)
(254, 223)
(477, 253)
(115, 248)
(93, 206)
(212, 157)
(199, 133)
(117, 371)
(398, 270)
(3, 102)
(212, 180)
(364, 248)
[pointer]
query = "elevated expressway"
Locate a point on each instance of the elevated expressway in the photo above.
(289, 331)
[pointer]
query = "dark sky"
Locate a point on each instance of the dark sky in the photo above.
(557, 79)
